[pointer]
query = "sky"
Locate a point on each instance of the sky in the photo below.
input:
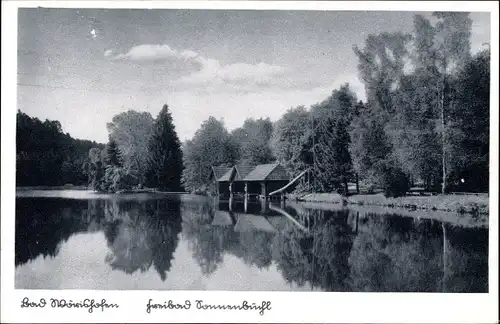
(83, 66)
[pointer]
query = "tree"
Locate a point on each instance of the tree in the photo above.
(253, 140)
(369, 143)
(291, 140)
(413, 107)
(416, 143)
(468, 124)
(453, 31)
(45, 156)
(211, 145)
(412, 130)
(117, 178)
(131, 131)
(96, 169)
(165, 155)
(381, 64)
(381, 68)
(333, 164)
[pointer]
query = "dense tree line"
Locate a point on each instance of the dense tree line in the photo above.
(45, 156)
(213, 145)
(425, 122)
(427, 112)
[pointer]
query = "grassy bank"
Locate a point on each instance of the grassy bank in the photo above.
(461, 204)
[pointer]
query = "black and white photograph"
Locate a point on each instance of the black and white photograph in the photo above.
(263, 150)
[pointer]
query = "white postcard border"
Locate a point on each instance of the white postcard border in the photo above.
(285, 307)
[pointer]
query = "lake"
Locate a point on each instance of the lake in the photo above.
(83, 240)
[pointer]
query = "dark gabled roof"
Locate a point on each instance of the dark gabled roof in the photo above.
(237, 172)
(243, 169)
(219, 171)
(228, 175)
(249, 172)
(279, 173)
(272, 171)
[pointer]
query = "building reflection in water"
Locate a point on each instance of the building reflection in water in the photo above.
(321, 248)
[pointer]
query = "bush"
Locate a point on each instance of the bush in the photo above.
(392, 179)
(117, 178)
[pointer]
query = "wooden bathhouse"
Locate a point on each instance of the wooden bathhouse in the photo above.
(250, 180)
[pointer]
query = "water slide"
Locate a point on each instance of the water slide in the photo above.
(289, 184)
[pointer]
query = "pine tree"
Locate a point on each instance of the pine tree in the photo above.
(113, 156)
(165, 162)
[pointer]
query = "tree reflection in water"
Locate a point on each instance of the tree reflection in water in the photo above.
(207, 242)
(42, 224)
(465, 264)
(142, 235)
(333, 250)
(392, 253)
(319, 257)
(139, 233)
(345, 250)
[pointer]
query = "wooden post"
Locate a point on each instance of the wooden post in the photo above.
(263, 206)
(263, 190)
(246, 190)
(230, 190)
(357, 183)
(357, 222)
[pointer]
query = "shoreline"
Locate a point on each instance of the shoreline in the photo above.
(85, 188)
(453, 218)
(474, 205)
(67, 187)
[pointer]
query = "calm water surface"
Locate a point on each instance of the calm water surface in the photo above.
(81, 240)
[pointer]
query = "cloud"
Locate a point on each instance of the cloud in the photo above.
(212, 72)
(154, 52)
(202, 71)
(108, 53)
